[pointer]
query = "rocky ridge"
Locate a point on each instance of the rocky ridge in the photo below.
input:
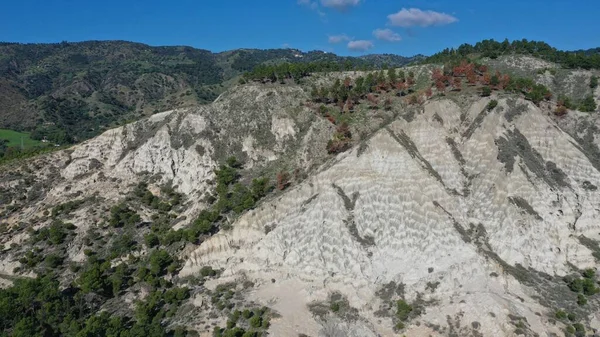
(471, 215)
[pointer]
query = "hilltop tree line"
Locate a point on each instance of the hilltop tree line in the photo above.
(296, 71)
(349, 92)
(493, 49)
(455, 73)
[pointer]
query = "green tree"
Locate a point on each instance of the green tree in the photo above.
(403, 310)
(92, 279)
(52, 260)
(159, 260)
(151, 240)
(57, 232)
(393, 76)
(594, 82)
(260, 187)
(486, 91)
(121, 216)
(255, 321)
(588, 104)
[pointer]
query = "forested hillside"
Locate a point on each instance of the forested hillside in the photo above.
(68, 92)
(586, 59)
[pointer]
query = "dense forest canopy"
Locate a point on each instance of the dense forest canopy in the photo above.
(492, 49)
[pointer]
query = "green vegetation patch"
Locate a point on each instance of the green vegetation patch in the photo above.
(14, 139)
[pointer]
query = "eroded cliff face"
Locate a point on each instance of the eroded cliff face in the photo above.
(180, 148)
(472, 215)
(477, 213)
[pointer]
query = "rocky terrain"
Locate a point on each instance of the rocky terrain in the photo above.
(452, 217)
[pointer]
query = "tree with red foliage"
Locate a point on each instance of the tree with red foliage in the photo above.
(341, 139)
(440, 86)
(400, 85)
(483, 68)
(457, 84)
(372, 99)
(504, 81)
(343, 131)
(349, 105)
(283, 180)
(330, 118)
(486, 79)
(428, 92)
(347, 82)
(387, 104)
(471, 77)
(436, 74)
(461, 69)
(560, 111)
(412, 99)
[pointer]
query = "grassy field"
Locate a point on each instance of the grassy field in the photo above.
(14, 138)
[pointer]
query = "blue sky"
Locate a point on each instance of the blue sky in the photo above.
(347, 27)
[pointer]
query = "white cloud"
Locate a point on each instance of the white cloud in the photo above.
(360, 45)
(416, 17)
(340, 5)
(333, 39)
(386, 35)
(312, 5)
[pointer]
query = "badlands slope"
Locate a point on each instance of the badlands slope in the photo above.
(472, 216)
(485, 206)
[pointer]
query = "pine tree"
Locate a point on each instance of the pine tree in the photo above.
(392, 76)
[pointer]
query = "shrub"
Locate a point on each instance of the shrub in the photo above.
(589, 273)
(241, 198)
(561, 110)
(123, 244)
(57, 232)
(492, 104)
(159, 260)
(579, 328)
(486, 91)
(403, 310)
(560, 314)
(66, 208)
(581, 300)
(283, 180)
(586, 286)
(233, 162)
(260, 187)
(53, 261)
(335, 307)
(593, 82)
(121, 216)
(207, 271)
(92, 279)
(588, 104)
(255, 321)
(151, 240)
(538, 93)
(565, 101)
